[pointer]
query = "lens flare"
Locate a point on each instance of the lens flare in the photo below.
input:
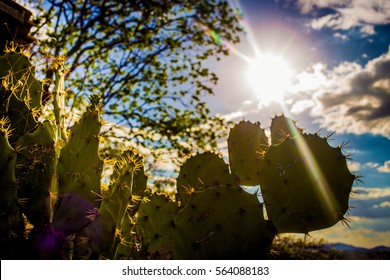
(311, 165)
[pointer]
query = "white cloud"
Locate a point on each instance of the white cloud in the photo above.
(234, 115)
(371, 164)
(301, 106)
(334, 21)
(353, 166)
(341, 36)
(370, 193)
(368, 29)
(349, 98)
(349, 13)
(382, 204)
(385, 168)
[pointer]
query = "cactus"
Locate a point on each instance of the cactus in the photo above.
(40, 165)
(305, 184)
(106, 228)
(247, 144)
(156, 224)
(283, 128)
(11, 222)
(20, 93)
(36, 161)
(79, 165)
(222, 222)
(201, 171)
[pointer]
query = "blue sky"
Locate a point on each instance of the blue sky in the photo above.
(339, 57)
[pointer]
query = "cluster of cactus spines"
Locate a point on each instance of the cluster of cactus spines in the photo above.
(247, 144)
(222, 222)
(156, 224)
(201, 171)
(20, 93)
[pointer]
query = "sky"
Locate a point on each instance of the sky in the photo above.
(326, 64)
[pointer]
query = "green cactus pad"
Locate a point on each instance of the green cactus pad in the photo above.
(11, 222)
(282, 128)
(36, 163)
(79, 165)
(125, 247)
(305, 184)
(7, 168)
(156, 224)
(105, 231)
(247, 143)
(222, 223)
(201, 171)
(130, 161)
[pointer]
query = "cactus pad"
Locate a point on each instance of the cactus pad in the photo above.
(222, 223)
(247, 143)
(282, 128)
(201, 171)
(156, 223)
(305, 184)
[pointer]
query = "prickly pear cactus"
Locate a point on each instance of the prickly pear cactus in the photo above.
(201, 171)
(305, 184)
(156, 224)
(247, 144)
(79, 165)
(222, 222)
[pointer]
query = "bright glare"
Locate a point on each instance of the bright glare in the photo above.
(270, 77)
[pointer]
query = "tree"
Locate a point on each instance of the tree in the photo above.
(148, 60)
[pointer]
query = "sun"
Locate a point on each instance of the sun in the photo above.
(270, 77)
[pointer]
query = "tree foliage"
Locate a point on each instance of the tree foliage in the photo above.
(148, 59)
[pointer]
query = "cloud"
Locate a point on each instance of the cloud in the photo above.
(371, 164)
(370, 202)
(368, 29)
(368, 219)
(235, 115)
(341, 36)
(384, 168)
(349, 13)
(362, 237)
(353, 166)
(334, 21)
(349, 98)
(382, 204)
(371, 193)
